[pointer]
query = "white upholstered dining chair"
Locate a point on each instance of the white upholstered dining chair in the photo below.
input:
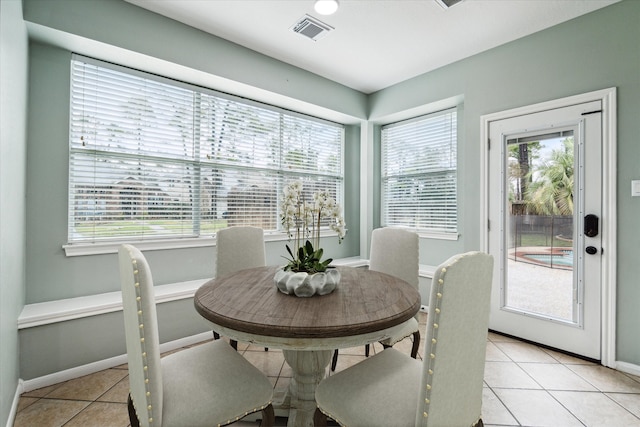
(238, 248)
(205, 385)
(395, 251)
(445, 389)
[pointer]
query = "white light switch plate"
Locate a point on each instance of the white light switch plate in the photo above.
(635, 188)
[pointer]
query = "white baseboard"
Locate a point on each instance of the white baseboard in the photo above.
(14, 406)
(628, 368)
(91, 368)
(39, 314)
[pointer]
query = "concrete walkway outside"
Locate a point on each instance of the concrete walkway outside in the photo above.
(540, 289)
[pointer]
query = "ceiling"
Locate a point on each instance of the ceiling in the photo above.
(374, 43)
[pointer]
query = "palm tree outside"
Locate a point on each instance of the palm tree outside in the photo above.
(552, 192)
(541, 181)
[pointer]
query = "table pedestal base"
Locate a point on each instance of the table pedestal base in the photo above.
(309, 368)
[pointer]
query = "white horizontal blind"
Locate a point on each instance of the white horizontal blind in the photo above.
(150, 158)
(419, 173)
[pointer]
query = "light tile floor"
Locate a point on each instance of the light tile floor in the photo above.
(525, 385)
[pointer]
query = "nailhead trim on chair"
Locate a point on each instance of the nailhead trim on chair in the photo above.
(245, 414)
(333, 417)
(260, 408)
(141, 328)
(434, 340)
(142, 342)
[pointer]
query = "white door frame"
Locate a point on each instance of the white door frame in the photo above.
(609, 200)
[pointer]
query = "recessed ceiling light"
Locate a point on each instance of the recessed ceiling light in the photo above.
(326, 7)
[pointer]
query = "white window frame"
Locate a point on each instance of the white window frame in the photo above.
(283, 171)
(413, 145)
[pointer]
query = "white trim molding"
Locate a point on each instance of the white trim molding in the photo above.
(609, 200)
(366, 185)
(609, 224)
(14, 405)
(100, 365)
(628, 368)
(111, 247)
(44, 313)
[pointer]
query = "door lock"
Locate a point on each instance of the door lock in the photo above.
(591, 250)
(591, 226)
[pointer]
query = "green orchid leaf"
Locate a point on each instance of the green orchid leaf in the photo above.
(290, 253)
(309, 247)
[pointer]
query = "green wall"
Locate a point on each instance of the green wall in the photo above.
(593, 52)
(73, 343)
(123, 33)
(596, 51)
(51, 274)
(59, 28)
(13, 120)
(55, 276)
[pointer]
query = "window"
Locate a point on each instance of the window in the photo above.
(419, 173)
(151, 158)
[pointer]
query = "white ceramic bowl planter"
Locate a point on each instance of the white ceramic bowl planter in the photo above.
(307, 285)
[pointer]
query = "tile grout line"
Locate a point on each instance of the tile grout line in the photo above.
(503, 404)
(508, 359)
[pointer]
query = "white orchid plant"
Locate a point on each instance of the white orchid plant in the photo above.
(302, 219)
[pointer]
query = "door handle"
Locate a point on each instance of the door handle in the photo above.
(591, 225)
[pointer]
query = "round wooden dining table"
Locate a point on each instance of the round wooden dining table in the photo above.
(366, 307)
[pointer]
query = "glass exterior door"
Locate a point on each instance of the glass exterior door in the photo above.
(544, 183)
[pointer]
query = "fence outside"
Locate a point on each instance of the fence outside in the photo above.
(541, 239)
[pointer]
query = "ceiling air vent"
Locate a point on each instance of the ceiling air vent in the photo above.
(446, 4)
(311, 27)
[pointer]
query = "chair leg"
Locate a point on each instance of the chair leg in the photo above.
(268, 417)
(416, 344)
(133, 417)
(319, 419)
(334, 360)
(216, 336)
(366, 350)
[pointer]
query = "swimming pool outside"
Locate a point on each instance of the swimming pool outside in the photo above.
(564, 259)
(551, 257)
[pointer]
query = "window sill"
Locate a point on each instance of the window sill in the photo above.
(49, 312)
(425, 234)
(45, 313)
(437, 236)
(82, 249)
